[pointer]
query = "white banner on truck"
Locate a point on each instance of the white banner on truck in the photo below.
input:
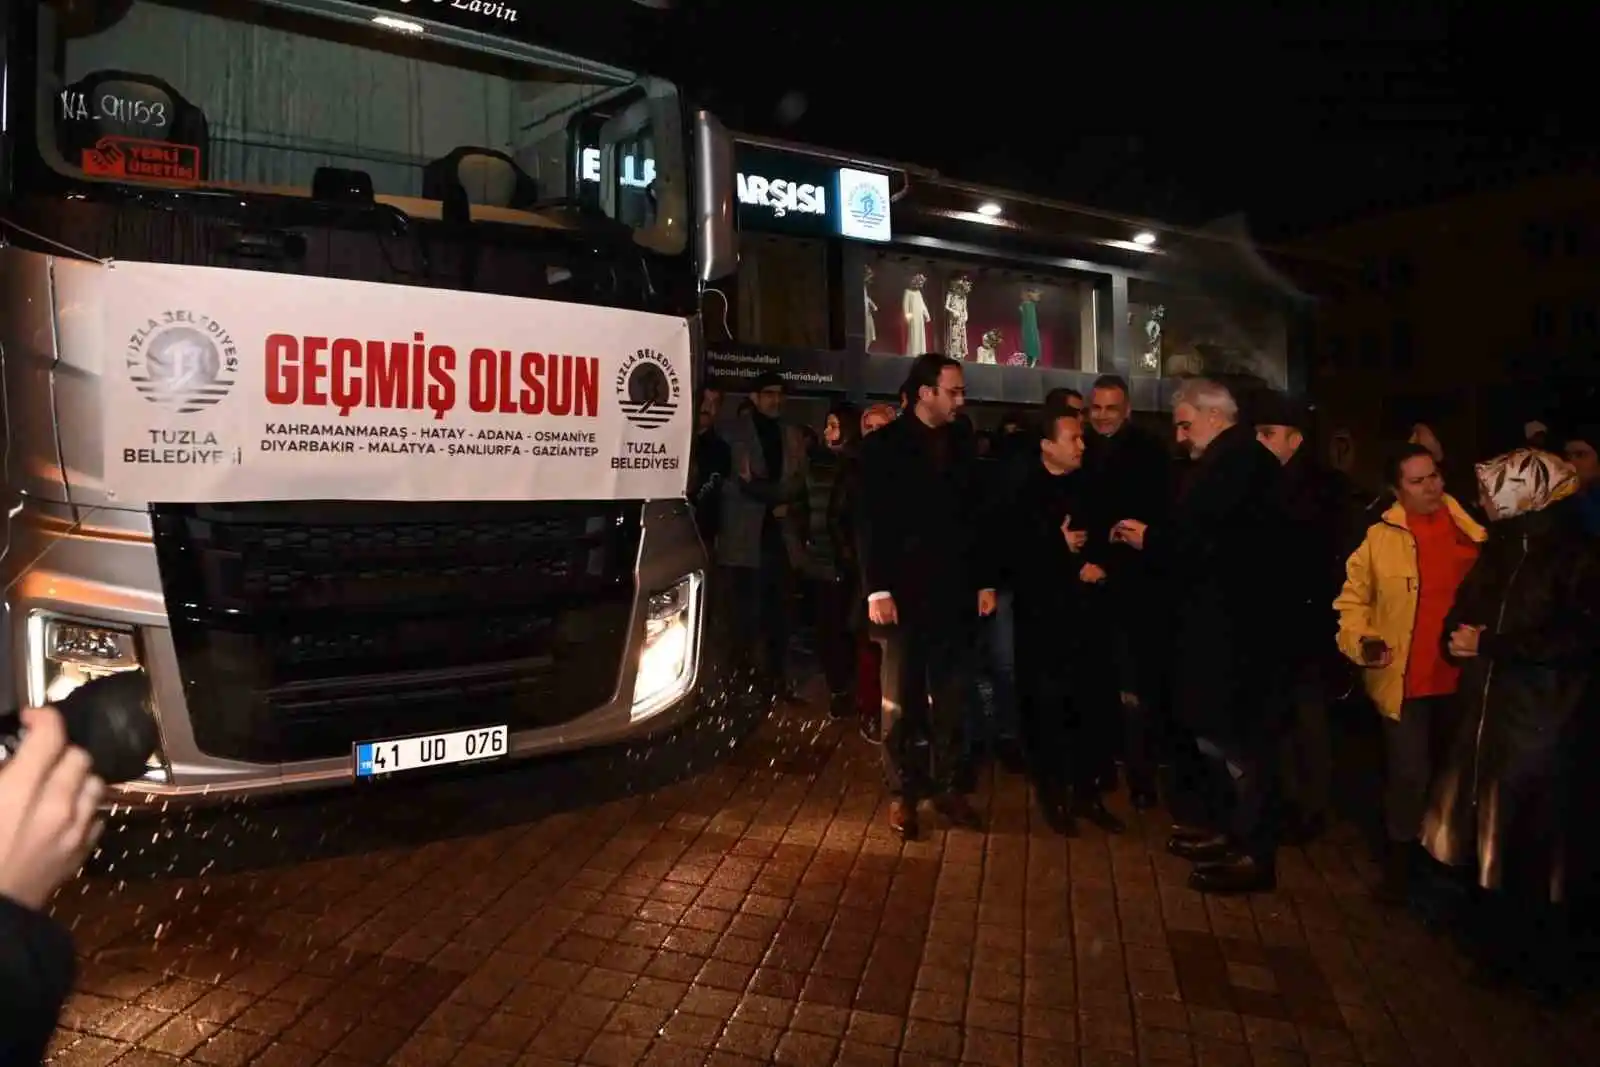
(229, 385)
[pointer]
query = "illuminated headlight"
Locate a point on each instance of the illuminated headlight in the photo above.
(671, 648)
(64, 653)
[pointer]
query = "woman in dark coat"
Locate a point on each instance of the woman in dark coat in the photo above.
(1526, 627)
(830, 562)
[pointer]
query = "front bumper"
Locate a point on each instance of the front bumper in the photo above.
(107, 580)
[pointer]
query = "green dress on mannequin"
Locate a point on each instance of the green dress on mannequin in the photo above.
(1032, 346)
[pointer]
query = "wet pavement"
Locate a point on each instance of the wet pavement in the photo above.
(678, 904)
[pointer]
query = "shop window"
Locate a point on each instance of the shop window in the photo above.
(906, 305)
(783, 292)
(1206, 333)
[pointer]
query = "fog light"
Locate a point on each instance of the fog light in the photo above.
(669, 655)
(64, 653)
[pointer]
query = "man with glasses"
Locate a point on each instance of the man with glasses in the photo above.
(926, 576)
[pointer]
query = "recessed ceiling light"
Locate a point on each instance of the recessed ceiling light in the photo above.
(1144, 239)
(403, 25)
(989, 209)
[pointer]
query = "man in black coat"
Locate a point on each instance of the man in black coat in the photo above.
(925, 573)
(1067, 735)
(1316, 507)
(1218, 551)
(1126, 474)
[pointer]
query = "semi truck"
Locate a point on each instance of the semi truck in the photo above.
(348, 360)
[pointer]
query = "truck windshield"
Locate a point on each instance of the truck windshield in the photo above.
(311, 98)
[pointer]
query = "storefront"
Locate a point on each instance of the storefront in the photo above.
(850, 267)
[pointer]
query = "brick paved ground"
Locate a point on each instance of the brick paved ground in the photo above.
(757, 912)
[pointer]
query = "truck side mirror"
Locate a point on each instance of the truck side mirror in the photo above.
(716, 238)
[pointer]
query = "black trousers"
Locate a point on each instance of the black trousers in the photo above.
(831, 604)
(1134, 704)
(1246, 778)
(1068, 729)
(1414, 746)
(928, 686)
(758, 618)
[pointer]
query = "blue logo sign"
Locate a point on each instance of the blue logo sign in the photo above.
(867, 207)
(864, 205)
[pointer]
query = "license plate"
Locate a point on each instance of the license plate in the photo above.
(430, 750)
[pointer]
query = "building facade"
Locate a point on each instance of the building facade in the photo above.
(1474, 315)
(850, 267)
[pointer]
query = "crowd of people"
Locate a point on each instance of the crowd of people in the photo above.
(1098, 613)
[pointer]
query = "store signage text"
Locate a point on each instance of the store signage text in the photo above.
(636, 173)
(781, 196)
(784, 193)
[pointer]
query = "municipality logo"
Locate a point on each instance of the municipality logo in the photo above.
(182, 361)
(648, 389)
(867, 206)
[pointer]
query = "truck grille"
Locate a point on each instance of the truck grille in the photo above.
(303, 628)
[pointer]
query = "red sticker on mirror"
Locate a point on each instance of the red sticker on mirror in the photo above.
(140, 160)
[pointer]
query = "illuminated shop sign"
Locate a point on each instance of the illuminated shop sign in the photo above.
(781, 193)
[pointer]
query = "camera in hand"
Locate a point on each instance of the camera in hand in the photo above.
(109, 718)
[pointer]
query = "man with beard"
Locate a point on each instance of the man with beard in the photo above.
(1219, 550)
(924, 571)
(1065, 737)
(1314, 503)
(1126, 475)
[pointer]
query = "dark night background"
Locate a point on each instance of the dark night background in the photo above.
(1300, 114)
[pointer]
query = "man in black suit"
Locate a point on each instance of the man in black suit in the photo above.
(1220, 551)
(1126, 475)
(1316, 508)
(926, 576)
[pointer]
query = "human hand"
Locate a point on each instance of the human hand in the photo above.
(881, 611)
(1464, 642)
(1075, 539)
(987, 601)
(1375, 653)
(49, 811)
(1091, 573)
(781, 511)
(1129, 532)
(744, 469)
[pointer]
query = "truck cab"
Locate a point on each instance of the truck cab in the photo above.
(349, 354)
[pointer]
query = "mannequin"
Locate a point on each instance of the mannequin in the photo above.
(989, 350)
(1032, 346)
(915, 313)
(955, 305)
(870, 307)
(1151, 360)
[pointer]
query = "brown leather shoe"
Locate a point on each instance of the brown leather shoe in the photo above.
(903, 818)
(957, 810)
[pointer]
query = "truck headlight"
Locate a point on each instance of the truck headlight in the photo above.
(64, 653)
(670, 654)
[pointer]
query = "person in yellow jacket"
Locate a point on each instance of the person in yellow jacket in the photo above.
(1399, 586)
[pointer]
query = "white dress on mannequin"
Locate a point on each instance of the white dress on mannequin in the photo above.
(917, 319)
